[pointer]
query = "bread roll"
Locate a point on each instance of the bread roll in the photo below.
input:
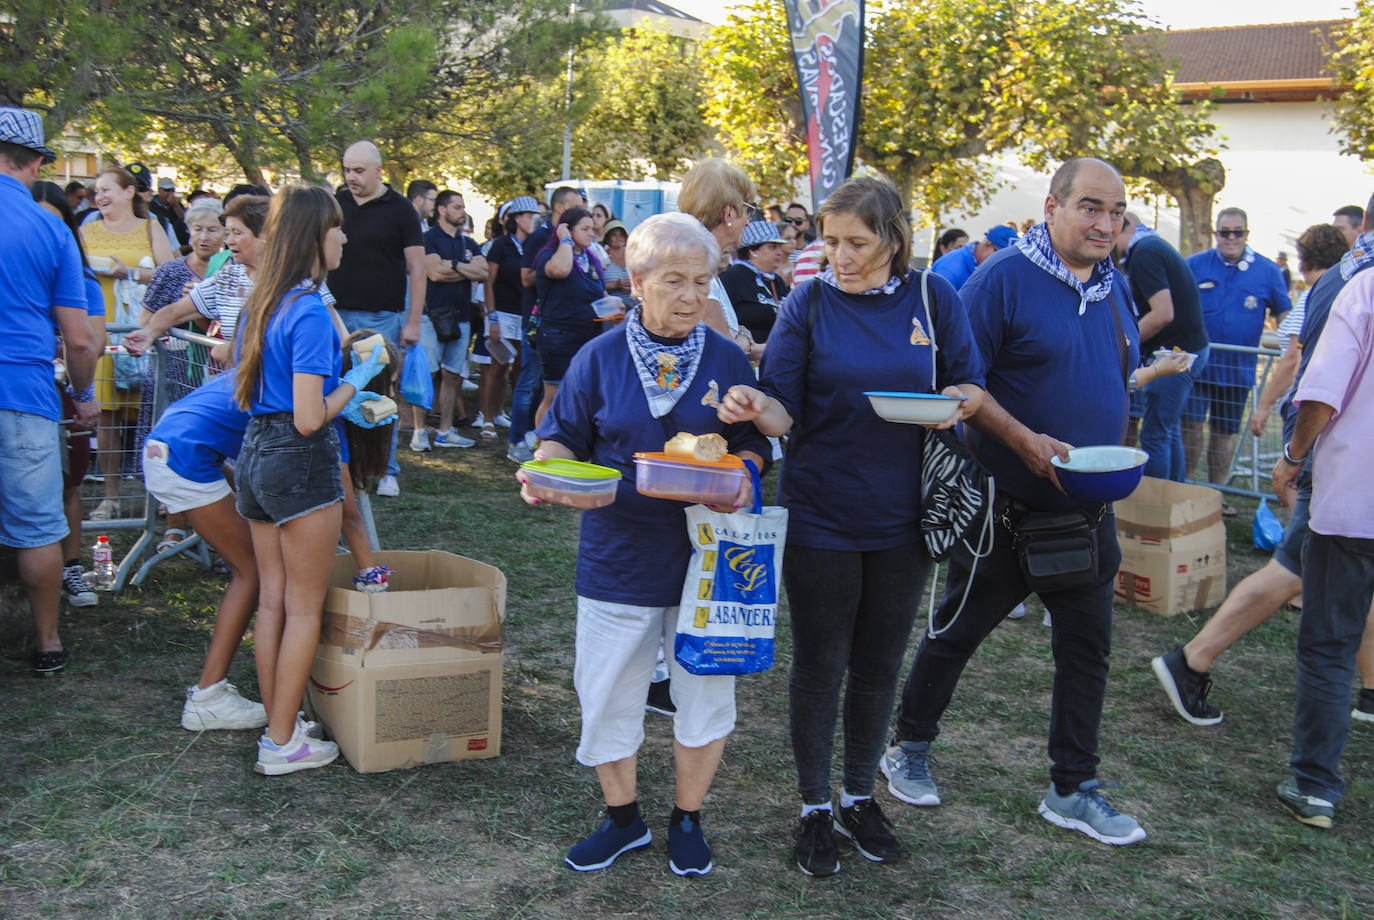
(685, 446)
(374, 410)
(362, 349)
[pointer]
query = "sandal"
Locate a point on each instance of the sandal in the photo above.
(489, 431)
(1229, 511)
(168, 541)
(107, 510)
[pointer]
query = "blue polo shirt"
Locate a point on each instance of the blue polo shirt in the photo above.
(300, 339)
(958, 266)
(202, 429)
(566, 303)
(635, 551)
(1234, 302)
(1054, 371)
(852, 480)
(449, 295)
(40, 268)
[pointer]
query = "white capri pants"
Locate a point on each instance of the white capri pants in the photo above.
(617, 645)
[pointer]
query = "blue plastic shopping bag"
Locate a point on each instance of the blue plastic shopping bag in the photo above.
(1268, 529)
(730, 596)
(417, 386)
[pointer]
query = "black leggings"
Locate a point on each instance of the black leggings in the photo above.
(851, 614)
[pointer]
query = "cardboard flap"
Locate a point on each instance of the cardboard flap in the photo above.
(1160, 510)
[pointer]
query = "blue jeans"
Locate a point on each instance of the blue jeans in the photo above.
(1161, 435)
(1337, 584)
(388, 323)
(529, 391)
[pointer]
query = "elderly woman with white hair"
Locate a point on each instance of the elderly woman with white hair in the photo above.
(627, 391)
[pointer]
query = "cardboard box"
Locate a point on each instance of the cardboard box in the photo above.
(1173, 547)
(411, 676)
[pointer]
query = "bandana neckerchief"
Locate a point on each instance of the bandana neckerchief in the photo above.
(1035, 245)
(1360, 256)
(665, 371)
(828, 276)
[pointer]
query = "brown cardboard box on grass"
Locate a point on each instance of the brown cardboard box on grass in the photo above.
(413, 675)
(1173, 547)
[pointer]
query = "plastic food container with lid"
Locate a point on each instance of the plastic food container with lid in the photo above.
(571, 482)
(708, 482)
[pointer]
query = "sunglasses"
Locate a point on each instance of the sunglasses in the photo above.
(795, 221)
(1231, 234)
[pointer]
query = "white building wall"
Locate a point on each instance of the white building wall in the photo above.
(1283, 167)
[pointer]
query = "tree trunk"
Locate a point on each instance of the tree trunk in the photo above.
(1195, 188)
(243, 154)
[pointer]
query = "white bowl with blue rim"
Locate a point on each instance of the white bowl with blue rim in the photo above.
(915, 408)
(1105, 473)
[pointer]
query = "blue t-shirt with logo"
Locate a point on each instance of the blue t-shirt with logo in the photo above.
(635, 551)
(40, 268)
(1234, 302)
(202, 429)
(1055, 371)
(852, 480)
(300, 339)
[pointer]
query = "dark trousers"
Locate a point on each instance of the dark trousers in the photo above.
(1337, 584)
(1081, 641)
(851, 615)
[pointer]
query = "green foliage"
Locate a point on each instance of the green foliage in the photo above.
(646, 118)
(1352, 62)
(751, 100)
(948, 83)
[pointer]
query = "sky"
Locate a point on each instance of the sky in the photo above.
(1176, 14)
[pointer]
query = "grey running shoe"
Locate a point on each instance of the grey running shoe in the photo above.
(1306, 808)
(907, 768)
(1186, 688)
(1089, 812)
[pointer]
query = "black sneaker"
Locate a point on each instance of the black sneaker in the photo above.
(1186, 688)
(1364, 706)
(871, 833)
(46, 664)
(660, 699)
(815, 844)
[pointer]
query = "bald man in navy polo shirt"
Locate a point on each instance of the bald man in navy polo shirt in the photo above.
(1053, 320)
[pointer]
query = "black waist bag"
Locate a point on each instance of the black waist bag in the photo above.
(1057, 549)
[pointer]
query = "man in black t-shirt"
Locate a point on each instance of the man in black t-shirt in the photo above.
(1165, 291)
(383, 254)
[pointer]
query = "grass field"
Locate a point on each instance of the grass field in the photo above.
(108, 809)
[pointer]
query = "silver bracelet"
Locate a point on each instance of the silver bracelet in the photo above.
(1291, 459)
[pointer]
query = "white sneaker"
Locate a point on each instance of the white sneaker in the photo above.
(451, 438)
(469, 386)
(219, 706)
(419, 441)
(388, 486)
(531, 440)
(302, 752)
(1017, 613)
(501, 421)
(76, 589)
(479, 420)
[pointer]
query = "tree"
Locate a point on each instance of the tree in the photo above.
(1352, 63)
(751, 97)
(646, 108)
(950, 83)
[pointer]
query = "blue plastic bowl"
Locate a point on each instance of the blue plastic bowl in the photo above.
(1101, 474)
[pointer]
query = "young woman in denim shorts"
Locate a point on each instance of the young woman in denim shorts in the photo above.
(288, 469)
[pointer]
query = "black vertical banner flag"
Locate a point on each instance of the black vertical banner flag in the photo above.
(828, 47)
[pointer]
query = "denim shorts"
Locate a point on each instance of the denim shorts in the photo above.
(30, 481)
(1290, 550)
(1226, 405)
(282, 475)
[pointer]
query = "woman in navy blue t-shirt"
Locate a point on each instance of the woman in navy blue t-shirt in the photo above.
(855, 563)
(288, 468)
(568, 277)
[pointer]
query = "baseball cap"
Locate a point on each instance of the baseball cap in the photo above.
(166, 185)
(143, 176)
(1002, 236)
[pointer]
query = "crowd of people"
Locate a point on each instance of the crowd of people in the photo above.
(722, 319)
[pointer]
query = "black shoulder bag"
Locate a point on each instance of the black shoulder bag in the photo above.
(1058, 549)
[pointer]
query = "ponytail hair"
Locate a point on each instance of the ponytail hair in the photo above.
(297, 222)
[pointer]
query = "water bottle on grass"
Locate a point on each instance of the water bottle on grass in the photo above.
(104, 563)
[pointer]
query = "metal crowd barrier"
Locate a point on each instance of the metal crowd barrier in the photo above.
(1248, 472)
(113, 496)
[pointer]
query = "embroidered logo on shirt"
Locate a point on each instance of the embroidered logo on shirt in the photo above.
(1250, 302)
(918, 335)
(668, 377)
(712, 397)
